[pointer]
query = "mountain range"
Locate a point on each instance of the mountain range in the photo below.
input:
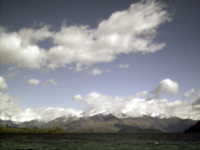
(110, 123)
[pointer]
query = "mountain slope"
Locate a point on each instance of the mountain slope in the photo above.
(172, 124)
(8, 123)
(61, 121)
(97, 121)
(32, 124)
(109, 123)
(194, 128)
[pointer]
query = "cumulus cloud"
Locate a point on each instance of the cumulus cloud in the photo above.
(33, 82)
(187, 94)
(77, 98)
(144, 93)
(96, 71)
(123, 65)
(20, 47)
(3, 85)
(166, 86)
(129, 31)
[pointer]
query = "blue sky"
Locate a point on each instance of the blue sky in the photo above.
(94, 56)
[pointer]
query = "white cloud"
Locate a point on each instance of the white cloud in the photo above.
(123, 66)
(96, 71)
(20, 47)
(144, 93)
(44, 114)
(135, 107)
(33, 82)
(187, 94)
(166, 86)
(8, 108)
(196, 103)
(50, 82)
(10, 111)
(133, 30)
(99, 103)
(96, 103)
(129, 31)
(3, 85)
(77, 98)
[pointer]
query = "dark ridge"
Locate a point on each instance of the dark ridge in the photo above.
(194, 128)
(110, 117)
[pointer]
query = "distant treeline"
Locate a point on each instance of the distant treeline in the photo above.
(55, 129)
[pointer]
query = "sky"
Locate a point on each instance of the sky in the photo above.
(131, 57)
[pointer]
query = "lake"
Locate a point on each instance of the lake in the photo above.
(100, 141)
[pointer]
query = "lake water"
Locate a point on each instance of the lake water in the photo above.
(100, 141)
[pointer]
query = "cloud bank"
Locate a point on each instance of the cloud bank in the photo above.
(10, 111)
(137, 107)
(129, 31)
(131, 106)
